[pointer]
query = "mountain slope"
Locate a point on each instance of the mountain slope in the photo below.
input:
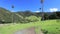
(7, 16)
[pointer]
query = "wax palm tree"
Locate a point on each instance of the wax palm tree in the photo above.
(42, 1)
(12, 12)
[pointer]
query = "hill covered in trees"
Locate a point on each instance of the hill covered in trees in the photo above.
(7, 16)
(25, 16)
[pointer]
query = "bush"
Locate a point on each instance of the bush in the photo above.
(32, 18)
(44, 31)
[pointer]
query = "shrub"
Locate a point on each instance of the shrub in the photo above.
(32, 18)
(44, 31)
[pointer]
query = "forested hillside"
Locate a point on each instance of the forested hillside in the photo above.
(7, 16)
(25, 16)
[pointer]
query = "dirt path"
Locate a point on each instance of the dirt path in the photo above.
(28, 31)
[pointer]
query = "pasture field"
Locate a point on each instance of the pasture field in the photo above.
(51, 26)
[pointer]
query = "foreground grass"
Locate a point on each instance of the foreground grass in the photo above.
(52, 26)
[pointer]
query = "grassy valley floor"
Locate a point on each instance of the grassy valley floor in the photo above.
(51, 26)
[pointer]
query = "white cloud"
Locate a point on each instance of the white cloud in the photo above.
(53, 9)
(37, 11)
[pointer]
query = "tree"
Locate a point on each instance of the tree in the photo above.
(45, 16)
(32, 18)
(58, 15)
(53, 16)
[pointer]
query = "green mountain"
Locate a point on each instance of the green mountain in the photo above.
(7, 16)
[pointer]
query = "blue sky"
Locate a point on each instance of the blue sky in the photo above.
(33, 5)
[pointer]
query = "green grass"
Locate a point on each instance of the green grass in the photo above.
(52, 26)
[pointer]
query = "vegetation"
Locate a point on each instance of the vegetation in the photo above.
(52, 26)
(25, 16)
(22, 20)
(53, 15)
(8, 17)
(32, 18)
